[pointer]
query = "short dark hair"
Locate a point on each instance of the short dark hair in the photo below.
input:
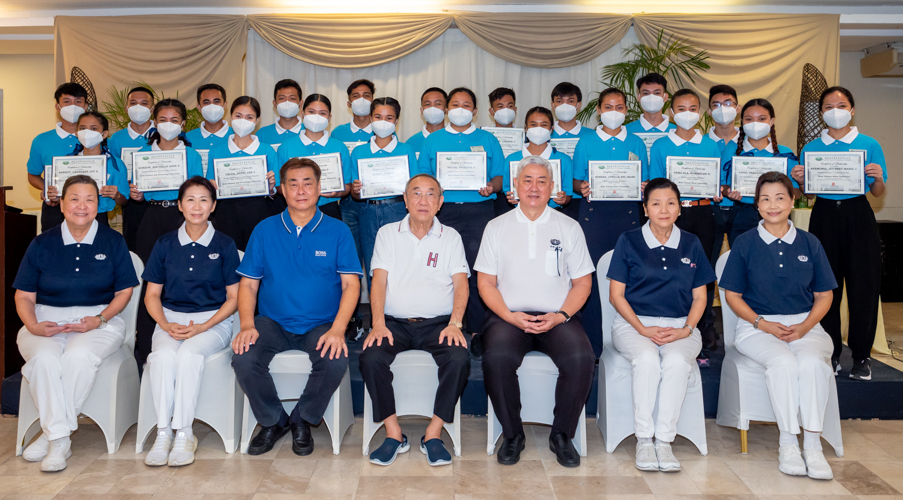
(246, 100)
(317, 98)
(685, 92)
(659, 183)
(197, 180)
(842, 90)
(357, 83)
(79, 179)
(458, 90)
(142, 89)
(500, 92)
(386, 101)
(652, 79)
(211, 86)
(70, 88)
(541, 110)
(722, 89)
(609, 91)
(285, 84)
(773, 178)
(565, 89)
(434, 89)
(296, 163)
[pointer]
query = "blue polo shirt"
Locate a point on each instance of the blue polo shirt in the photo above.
(65, 273)
(602, 147)
(472, 139)
(344, 133)
(395, 148)
(198, 141)
(567, 171)
(45, 146)
(295, 147)
(854, 141)
(700, 147)
(727, 162)
(727, 149)
(416, 141)
(777, 276)
(578, 132)
(272, 135)
(660, 278)
(195, 167)
(230, 150)
(117, 175)
(300, 271)
(123, 139)
(636, 127)
(194, 274)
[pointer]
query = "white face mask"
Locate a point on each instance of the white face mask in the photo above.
(139, 114)
(71, 113)
(315, 123)
(460, 116)
(89, 138)
(756, 130)
(287, 109)
(837, 118)
(686, 119)
(433, 116)
(213, 112)
(724, 115)
(360, 107)
(565, 112)
(612, 119)
(382, 128)
(538, 135)
(168, 130)
(243, 127)
(652, 103)
(504, 116)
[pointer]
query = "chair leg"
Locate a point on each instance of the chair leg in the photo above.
(744, 446)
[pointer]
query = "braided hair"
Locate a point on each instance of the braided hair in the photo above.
(154, 136)
(763, 103)
(104, 126)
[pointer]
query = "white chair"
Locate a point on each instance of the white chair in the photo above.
(290, 371)
(615, 402)
(743, 395)
(415, 381)
(113, 401)
(537, 376)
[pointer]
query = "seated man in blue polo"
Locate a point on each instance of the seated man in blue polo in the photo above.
(302, 271)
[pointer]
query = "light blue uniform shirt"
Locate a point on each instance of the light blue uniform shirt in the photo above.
(395, 148)
(195, 168)
(853, 141)
(416, 140)
(748, 150)
(472, 139)
(725, 148)
(699, 146)
(603, 147)
(230, 150)
(301, 145)
(575, 133)
(45, 146)
(201, 139)
(117, 175)
(641, 126)
(273, 134)
(550, 153)
(127, 138)
(350, 132)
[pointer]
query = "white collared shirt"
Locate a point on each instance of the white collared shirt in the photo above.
(388, 149)
(219, 133)
(250, 149)
(68, 239)
(321, 141)
(713, 136)
(450, 130)
(134, 135)
(697, 139)
(661, 127)
(769, 238)
(622, 135)
(546, 153)
(847, 139)
(60, 132)
(573, 131)
(749, 147)
(204, 240)
(355, 129)
(295, 130)
(426, 133)
(652, 242)
(156, 147)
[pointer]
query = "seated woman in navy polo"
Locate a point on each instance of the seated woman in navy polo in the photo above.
(73, 282)
(658, 277)
(192, 293)
(779, 283)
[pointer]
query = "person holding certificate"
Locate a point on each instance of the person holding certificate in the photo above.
(469, 164)
(214, 129)
(379, 171)
(723, 107)
(432, 108)
(652, 94)
(845, 225)
(605, 216)
(567, 131)
(287, 102)
(93, 130)
(314, 141)
(252, 170)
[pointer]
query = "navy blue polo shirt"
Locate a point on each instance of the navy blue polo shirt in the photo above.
(778, 276)
(660, 278)
(65, 273)
(194, 274)
(300, 271)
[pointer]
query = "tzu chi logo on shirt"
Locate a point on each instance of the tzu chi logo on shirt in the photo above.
(100, 256)
(803, 258)
(213, 256)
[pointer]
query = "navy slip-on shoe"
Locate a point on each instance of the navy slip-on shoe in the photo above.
(435, 452)
(386, 453)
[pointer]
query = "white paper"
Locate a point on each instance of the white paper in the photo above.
(331, 178)
(746, 170)
(511, 139)
(615, 180)
(241, 177)
(649, 139)
(126, 156)
(64, 167)
(384, 176)
(695, 177)
(835, 173)
(461, 171)
(159, 170)
(556, 177)
(565, 146)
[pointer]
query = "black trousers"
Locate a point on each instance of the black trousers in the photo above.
(453, 361)
(252, 369)
(700, 221)
(849, 233)
(132, 213)
(332, 209)
(572, 209)
(505, 346)
(238, 217)
(470, 219)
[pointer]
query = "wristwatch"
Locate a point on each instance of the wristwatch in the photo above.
(103, 321)
(756, 323)
(456, 323)
(567, 317)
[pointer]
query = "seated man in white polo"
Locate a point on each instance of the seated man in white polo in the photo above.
(417, 298)
(535, 274)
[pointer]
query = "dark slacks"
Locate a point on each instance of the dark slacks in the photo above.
(700, 221)
(505, 346)
(132, 213)
(453, 362)
(237, 218)
(849, 234)
(332, 209)
(252, 369)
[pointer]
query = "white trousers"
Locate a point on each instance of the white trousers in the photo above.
(797, 373)
(61, 369)
(660, 373)
(175, 366)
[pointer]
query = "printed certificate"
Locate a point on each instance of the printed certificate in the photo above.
(835, 173)
(461, 171)
(695, 177)
(511, 139)
(64, 167)
(746, 170)
(556, 177)
(241, 177)
(331, 178)
(565, 146)
(159, 170)
(383, 176)
(615, 180)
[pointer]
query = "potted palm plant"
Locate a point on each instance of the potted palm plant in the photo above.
(116, 108)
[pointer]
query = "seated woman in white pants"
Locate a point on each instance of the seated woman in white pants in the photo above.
(658, 277)
(193, 268)
(73, 282)
(779, 283)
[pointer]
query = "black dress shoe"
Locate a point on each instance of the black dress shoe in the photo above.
(302, 441)
(509, 453)
(266, 439)
(564, 450)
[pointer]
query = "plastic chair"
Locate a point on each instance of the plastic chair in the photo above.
(615, 408)
(537, 376)
(113, 401)
(415, 381)
(743, 395)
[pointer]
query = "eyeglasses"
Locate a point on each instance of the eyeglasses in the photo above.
(430, 195)
(728, 103)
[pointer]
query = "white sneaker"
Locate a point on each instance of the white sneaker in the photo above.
(645, 456)
(791, 460)
(183, 450)
(60, 450)
(159, 454)
(667, 462)
(816, 464)
(35, 452)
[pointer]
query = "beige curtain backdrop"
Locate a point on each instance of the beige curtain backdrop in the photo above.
(349, 41)
(544, 40)
(174, 54)
(760, 55)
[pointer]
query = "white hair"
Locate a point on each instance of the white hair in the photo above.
(418, 176)
(535, 160)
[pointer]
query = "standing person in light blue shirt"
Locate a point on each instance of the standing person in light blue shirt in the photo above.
(287, 102)
(433, 103)
(566, 103)
(467, 212)
(652, 93)
(93, 130)
(846, 226)
(723, 107)
(213, 130)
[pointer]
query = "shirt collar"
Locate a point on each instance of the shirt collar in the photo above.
(426, 133)
(717, 139)
(290, 225)
(388, 149)
(828, 140)
(543, 218)
(295, 130)
(156, 147)
(661, 127)
(321, 141)
(134, 135)
(622, 135)
(697, 139)
(204, 240)
(219, 133)
(87, 240)
(450, 130)
(355, 129)
(749, 147)
(573, 131)
(652, 242)
(250, 149)
(435, 229)
(546, 153)
(62, 133)
(769, 238)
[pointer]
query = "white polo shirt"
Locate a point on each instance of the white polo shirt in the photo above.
(534, 261)
(420, 271)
